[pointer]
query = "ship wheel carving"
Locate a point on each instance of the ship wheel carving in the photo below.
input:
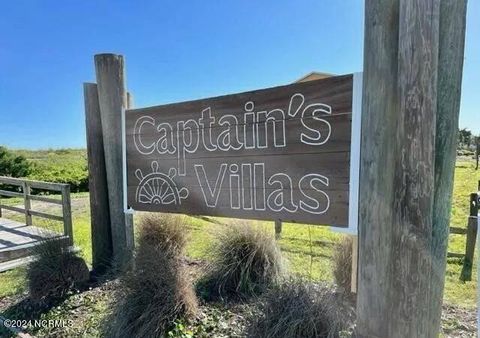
(159, 188)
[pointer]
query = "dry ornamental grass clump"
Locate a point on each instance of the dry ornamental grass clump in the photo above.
(157, 290)
(55, 271)
(246, 260)
(342, 264)
(297, 309)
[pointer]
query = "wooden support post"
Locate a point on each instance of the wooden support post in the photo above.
(466, 274)
(97, 183)
(113, 100)
(130, 102)
(449, 81)
(129, 222)
(477, 152)
(379, 121)
(278, 229)
(28, 204)
(474, 207)
(401, 262)
(67, 214)
(471, 237)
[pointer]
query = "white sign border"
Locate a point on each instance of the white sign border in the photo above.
(355, 141)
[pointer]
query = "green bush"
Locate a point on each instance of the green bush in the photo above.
(68, 166)
(13, 165)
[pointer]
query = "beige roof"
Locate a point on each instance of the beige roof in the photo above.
(314, 76)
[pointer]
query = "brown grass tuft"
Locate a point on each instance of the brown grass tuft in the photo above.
(245, 261)
(55, 271)
(157, 290)
(166, 231)
(342, 263)
(297, 309)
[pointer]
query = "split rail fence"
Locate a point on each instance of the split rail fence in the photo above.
(26, 187)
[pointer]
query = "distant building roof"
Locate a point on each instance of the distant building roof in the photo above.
(313, 76)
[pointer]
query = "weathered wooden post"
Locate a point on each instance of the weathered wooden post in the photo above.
(278, 229)
(129, 216)
(402, 235)
(477, 152)
(471, 238)
(112, 97)
(97, 183)
(67, 213)
(27, 203)
(450, 68)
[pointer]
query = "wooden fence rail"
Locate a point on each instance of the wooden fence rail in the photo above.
(26, 187)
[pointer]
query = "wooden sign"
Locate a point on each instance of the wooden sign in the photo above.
(279, 153)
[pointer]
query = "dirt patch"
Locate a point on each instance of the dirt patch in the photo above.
(458, 322)
(86, 311)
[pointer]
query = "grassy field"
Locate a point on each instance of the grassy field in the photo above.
(59, 165)
(307, 249)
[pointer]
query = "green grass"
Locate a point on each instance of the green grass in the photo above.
(466, 182)
(13, 281)
(308, 249)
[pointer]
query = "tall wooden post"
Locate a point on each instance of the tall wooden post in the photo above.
(379, 121)
(129, 222)
(113, 100)
(401, 243)
(450, 67)
(97, 183)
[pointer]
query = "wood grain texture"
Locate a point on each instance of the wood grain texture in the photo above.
(238, 145)
(379, 120)
(112, 100)
(450, 68)
(102, 253)
(411, 265)
(402, 234)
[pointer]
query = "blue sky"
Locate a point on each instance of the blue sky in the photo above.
(175, 51)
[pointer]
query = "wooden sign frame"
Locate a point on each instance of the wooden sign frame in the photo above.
(354, 157)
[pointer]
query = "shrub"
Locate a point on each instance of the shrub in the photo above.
(156, 291)
(245, 261)
(68, 166)
(13, 165)
(55, 271)
(342, 264)
(298, 309)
